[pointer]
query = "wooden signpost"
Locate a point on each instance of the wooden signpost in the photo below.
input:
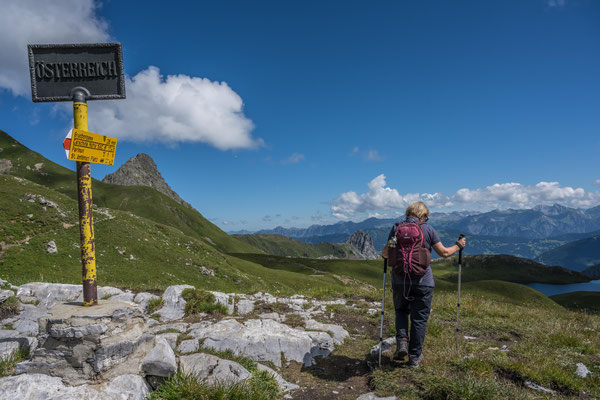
(78, 73)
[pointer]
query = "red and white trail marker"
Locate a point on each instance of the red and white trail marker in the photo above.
(67, 143)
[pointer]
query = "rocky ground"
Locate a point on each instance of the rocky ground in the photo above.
(125, 346)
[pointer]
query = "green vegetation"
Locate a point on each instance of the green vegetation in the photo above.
(7, 365)
(586, 301)
(284, 246)
(155, 304)
(260, 386)
(201, 301)
(9, 307)
(506, 268)
(141, 201)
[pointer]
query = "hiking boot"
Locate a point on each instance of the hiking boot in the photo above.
(414, 362)
(401, 350)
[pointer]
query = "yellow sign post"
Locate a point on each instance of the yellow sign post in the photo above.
(91, 147)
(99, 76)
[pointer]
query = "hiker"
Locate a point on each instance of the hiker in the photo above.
(412, 281)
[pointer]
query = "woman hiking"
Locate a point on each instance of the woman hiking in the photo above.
(409, 254)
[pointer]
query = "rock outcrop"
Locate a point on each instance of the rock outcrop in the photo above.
(115, 350)
(142, 171)
(363, 244)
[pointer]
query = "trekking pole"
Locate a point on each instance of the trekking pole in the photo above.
(458, 301)
(382, 309)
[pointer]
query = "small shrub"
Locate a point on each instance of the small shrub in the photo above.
(155, 304)
(201, 301)
(7, 365)
(295, 320)
(9, 307)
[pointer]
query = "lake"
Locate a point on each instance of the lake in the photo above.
(549, 290)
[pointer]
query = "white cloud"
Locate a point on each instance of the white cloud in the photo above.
(295, 158)
(597, 182)
(24, 22)
(373, 155)
(380, 197)
(175, 109)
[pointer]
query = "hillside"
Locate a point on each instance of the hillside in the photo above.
(594, 270)
(577, 255)
(588, 301)
(508, 268)
(284, 246)
(142, 201)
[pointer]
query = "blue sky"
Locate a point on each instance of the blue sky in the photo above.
(293, 113)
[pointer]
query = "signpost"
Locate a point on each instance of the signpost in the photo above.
(78, 73)
(90, 147)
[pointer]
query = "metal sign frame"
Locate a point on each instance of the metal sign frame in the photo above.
(79, 47)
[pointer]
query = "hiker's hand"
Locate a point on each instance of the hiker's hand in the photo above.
(462, 241)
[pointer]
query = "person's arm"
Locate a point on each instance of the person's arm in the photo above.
(448, 251)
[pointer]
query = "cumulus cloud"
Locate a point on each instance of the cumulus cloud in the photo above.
(173, 109)
(381, 197)
(597, 182)
(176, 109)
(24, 22)
(295, 158)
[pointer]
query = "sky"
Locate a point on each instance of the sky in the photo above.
(294, 113)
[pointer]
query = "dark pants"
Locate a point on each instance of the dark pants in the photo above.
(418, 307)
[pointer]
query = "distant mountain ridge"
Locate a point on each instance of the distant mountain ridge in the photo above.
(539, 222)
(141, 170)
(577, 255)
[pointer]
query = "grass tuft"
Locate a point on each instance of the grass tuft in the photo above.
(201, 301)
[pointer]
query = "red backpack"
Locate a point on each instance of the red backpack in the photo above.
(406, 252)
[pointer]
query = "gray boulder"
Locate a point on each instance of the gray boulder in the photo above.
(160, 361)
(44, 387)
(212, 369)
(5, 294)
(265, 340)
(174, 307)
(51, 247)
(371, 396)
(387, 344)
(284, 385)
(188, 346)
(143, 298)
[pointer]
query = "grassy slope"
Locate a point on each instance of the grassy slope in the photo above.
(143, 201)
(577, 255)
(508, 268)
(589, 301)
(284, 246)
(162, 255)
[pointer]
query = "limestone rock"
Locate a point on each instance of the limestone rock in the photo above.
(171, 338)
(174, 307)
(5, 294)
(160, 361)
(582, 370)
(49, 293)
(51, 247)
(339, 333)
(387, 344)
(265, 340)
(142, 171)
(5, 165)
(371, 396)
(284, 385)
(44, 387)
(7, 349)
(188, 346)
(223, 299)
(213, 369)
(143, 298)
(245, 307)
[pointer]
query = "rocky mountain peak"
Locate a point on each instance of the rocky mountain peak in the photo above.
(363, 243)
(141, 170)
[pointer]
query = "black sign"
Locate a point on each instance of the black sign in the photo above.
(56, 69)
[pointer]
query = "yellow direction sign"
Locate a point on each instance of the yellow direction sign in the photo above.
(90, 147)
